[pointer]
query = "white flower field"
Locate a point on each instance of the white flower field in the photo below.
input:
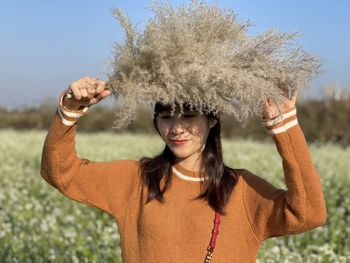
(39, 224)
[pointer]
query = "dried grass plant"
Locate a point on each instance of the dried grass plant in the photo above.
(201, 54)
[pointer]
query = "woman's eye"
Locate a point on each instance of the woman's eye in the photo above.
(166, 116)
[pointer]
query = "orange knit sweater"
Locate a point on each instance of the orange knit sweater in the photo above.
(180, 229)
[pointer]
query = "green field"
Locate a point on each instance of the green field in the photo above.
(38, 224)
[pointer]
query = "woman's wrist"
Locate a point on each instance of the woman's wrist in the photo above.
(67, 104)
(277, 115)
(269, 118)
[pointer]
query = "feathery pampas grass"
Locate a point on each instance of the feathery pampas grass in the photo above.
(201, 54)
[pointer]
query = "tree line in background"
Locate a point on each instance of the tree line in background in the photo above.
(326, 120)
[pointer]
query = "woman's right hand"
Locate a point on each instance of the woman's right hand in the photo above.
(85, 92)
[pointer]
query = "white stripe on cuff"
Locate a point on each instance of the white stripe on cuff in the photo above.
(280, 118)
(283, 128)
(64, 121)
(273, 122)
(73, 114)
(289, 114)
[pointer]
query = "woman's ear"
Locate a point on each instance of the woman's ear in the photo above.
(212, 122)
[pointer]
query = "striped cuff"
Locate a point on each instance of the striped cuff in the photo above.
(69, 117)
(281, 123)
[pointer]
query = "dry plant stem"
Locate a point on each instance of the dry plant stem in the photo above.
(201, 54)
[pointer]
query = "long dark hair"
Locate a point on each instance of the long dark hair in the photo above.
(222, 179)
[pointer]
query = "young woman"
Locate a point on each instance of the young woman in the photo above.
(165, 206)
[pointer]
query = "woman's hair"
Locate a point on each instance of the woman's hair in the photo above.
(218, 187)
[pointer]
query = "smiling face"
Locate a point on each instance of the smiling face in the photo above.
(185, 134)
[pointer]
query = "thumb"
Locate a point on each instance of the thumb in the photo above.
(104, 94)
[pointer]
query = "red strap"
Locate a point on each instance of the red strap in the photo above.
(215, 231)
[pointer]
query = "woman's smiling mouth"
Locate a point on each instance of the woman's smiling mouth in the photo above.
(178, 141)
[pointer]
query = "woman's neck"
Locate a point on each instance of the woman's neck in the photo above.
(190, 163)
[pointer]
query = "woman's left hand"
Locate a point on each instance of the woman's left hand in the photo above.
(270, 109)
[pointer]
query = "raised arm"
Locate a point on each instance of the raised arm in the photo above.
(105, 185)
(275, 212)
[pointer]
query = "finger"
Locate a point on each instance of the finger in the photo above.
(271, 102)
(265, 107)
(294, 95)
(105, 93)
(90, 82)
(84, 93)
(266, 102)
(93, 101)
(91, 87)
(269, 109)
(101, 85)
(89, 79)
(76, 91)
(96, 87)
(91, 90)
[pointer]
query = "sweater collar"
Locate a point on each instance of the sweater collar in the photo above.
(186, 174)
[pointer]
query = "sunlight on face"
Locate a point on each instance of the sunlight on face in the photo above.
(185, 134)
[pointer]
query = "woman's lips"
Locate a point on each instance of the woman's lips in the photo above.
(178, 142)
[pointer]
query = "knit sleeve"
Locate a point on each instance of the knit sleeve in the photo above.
(104, 185)
(275, 212)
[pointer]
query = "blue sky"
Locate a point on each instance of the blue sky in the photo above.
(45, 45)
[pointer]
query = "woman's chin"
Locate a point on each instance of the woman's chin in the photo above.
(180, 153)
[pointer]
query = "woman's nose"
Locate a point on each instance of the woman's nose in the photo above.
(176, 125)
